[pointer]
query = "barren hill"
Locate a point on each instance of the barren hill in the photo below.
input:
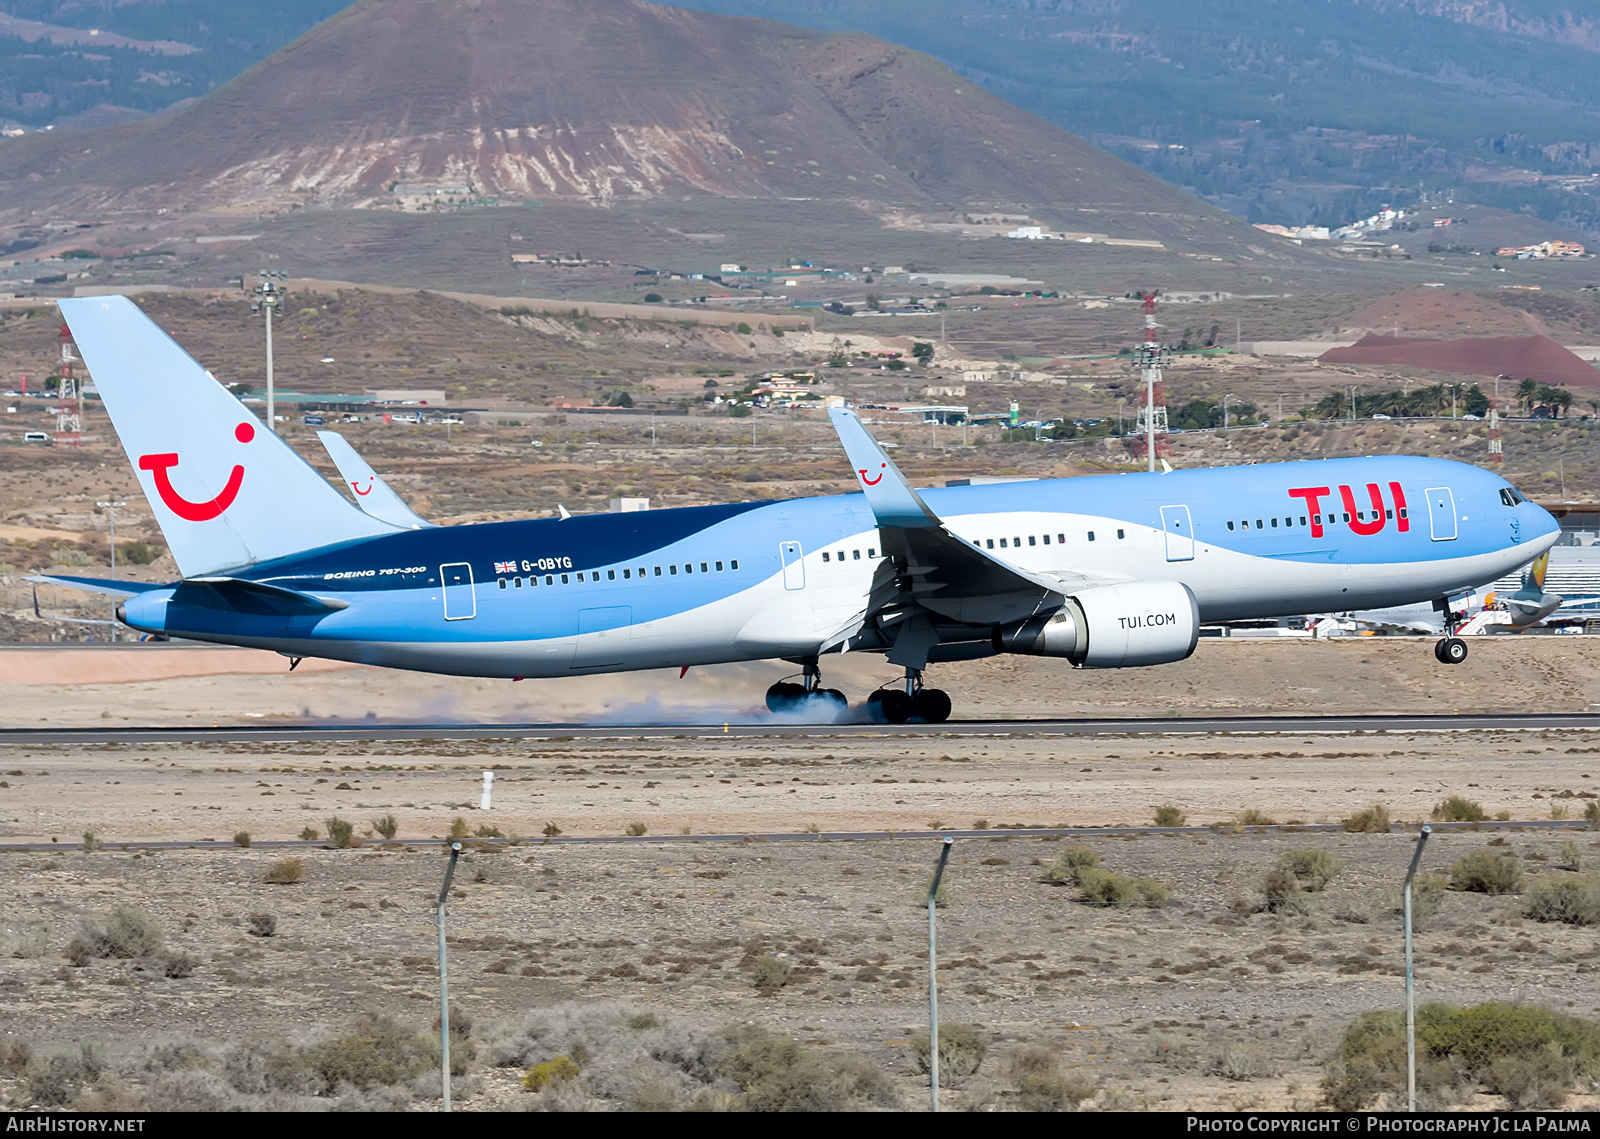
(596, 100)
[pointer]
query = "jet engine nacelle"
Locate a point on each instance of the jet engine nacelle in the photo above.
(1113, 626)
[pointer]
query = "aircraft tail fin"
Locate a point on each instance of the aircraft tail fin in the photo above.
(373, 495)
(225, 491)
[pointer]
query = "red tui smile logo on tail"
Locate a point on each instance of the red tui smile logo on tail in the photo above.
(158, 466)
(876, 481)
(357, 488)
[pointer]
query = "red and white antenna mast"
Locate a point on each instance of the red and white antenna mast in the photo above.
(69, 421)
(1151, 356)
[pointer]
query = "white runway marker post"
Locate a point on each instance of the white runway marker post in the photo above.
(488, 791)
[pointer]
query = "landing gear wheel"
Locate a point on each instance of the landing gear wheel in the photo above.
(895, 706)
(1451, 650)
(785, 697)
(931, 706)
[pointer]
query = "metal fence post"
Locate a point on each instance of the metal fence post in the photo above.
(1411, 1002)
(444, 978)
(933, 973)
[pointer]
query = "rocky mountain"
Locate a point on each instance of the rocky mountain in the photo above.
(603, 101)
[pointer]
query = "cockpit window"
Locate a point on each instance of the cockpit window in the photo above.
(1510, 497)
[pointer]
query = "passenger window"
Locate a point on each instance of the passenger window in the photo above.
(733, 563)
(611, 575)
(719, 567)
(1289, 521)
(580, 575)
(688, 567)
(1091, 535)
(1047, 539)
(658, 571)
(1316, 519)
(841, 555)
(1388, 514)
(1230, 524)
(1403, 513)
(517, 581)
(991, 543)
(1259, 526)
(642, 573)
(502, 583)
(1061, 539)
(1302, 520)
(672, 570)
(824, 555)
(1274, 523)
(856, 554)
(549, 579)
(872, 552)
(1002, 543)
(1032, 541)
(1017, 542)
(1120, 534)
(532, 581)
(703, 568)
(1347, 517)
(626, 574)
(565, 580)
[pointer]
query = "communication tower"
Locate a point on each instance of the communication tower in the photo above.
(1151, 356)
(69, 421)
(1497, 452)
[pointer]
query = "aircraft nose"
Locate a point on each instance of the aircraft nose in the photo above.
(1542, 522)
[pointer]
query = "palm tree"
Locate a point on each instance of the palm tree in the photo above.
(1525, 393)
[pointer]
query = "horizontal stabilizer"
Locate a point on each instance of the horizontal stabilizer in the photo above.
(95, 584)
(253, 597)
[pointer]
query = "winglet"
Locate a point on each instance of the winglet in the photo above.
(893, 501)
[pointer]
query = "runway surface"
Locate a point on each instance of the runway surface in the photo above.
(357, 731)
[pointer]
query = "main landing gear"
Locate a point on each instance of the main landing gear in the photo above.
(892, 706)
(787, 696)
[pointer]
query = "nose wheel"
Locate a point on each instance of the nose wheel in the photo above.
(1450, 650)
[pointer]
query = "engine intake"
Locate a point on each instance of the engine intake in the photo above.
(1113, 626)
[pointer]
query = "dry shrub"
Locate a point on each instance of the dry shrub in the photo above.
(92, 842)
(1098, 887)
(309, 834)
(1574, 901)
(263, 925)
(1427, 899)
(375, 1051)
(1250, 817)
(55, 1078)
(1066, 867)
(636, 829)
(551, 830)
(23, 937)
(242, 839)
(1283, 894)
(14, 1055)
(125, 932)
(285, 872)
(388, 826)
(1042, 1084)
(1591, 814)
(768, 974)
(1456, 809)
(961, 1052)
(1481, 872)
(1313, 868)
(340, 832)
(458, 829)
(176, 963)
(776, 1074)
(558, 1069)
(1170, 816)
(1571, 856)
(1530, 1055)
(1372, 820)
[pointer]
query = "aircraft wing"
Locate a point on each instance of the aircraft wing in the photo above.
(373, 495)
(945, 574)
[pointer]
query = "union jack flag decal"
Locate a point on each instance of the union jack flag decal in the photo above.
(505, 567)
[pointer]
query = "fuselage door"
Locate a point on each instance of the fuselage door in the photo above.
(794, 568)
(603, 635)
(1180, 533)
(460, 600)
(1442, 513)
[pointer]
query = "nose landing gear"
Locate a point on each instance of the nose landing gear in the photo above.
(1451, 649)
(892, 706)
